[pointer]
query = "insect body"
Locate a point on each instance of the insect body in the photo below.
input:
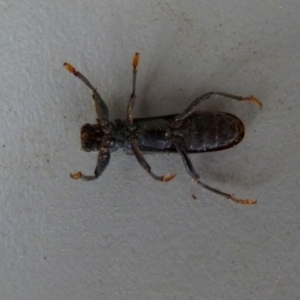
(188, 132)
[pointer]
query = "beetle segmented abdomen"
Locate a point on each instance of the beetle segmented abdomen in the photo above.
(212, 131)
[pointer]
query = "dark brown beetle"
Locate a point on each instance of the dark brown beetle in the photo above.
(188, 132)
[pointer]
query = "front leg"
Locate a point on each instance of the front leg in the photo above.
(102, 162)
(100, 106)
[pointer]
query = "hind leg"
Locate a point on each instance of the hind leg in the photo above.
(206, 96)
(191, 170)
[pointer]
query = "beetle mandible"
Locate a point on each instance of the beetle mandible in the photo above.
(188, 132)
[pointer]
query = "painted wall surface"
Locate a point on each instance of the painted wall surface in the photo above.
(126, 236)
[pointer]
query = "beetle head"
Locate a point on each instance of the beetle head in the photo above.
(91, 137)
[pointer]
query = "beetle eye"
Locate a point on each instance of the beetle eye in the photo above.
(88, 138)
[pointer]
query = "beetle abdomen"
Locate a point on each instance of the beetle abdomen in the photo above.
(211, 131)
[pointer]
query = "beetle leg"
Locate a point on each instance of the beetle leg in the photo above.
(190, 168)
(132, 98)
(100, 106)
(142, 161)
(102, 162)
(206, 96)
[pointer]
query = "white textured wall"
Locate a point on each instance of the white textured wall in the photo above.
(125, 236)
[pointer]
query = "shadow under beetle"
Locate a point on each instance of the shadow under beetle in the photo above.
(187, 132)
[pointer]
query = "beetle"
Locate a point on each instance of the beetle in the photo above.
(187, 132)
